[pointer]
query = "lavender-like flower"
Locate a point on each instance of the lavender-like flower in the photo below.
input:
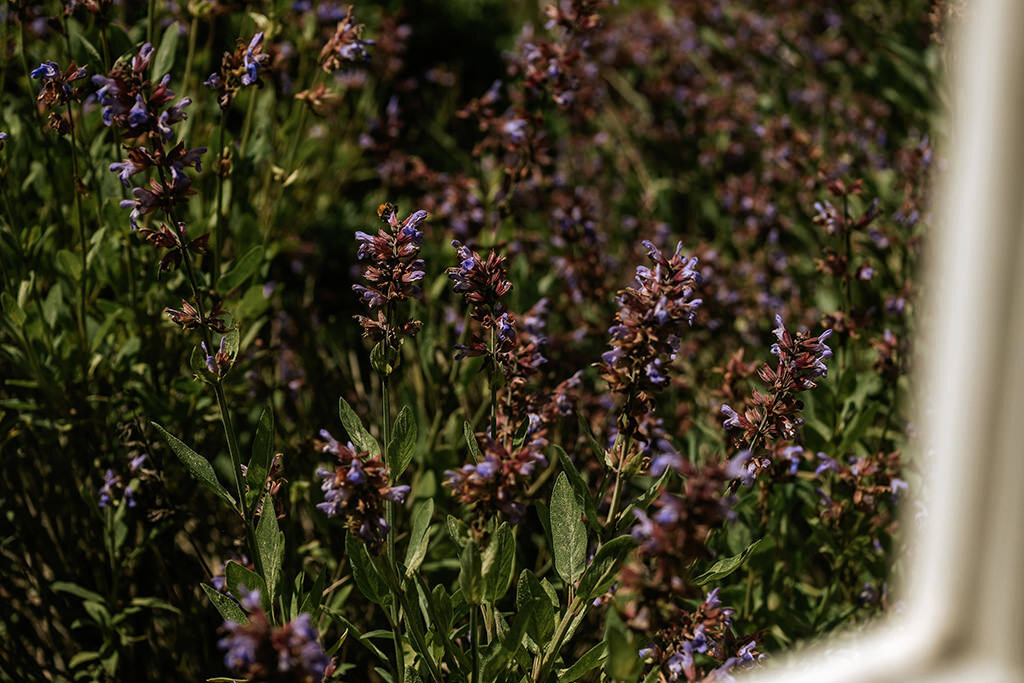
(356, 490)
(393, 269)
(262, 652)
(645, 336)
(497, 484)
(346, 45)
(238, 69)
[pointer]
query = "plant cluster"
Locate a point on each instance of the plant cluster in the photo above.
(618, 300)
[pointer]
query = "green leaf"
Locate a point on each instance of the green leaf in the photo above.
(368, 581)
(622, 663)
(13, 313)
(602, 571)
(531, 596)
(520, 437)
(155, 603)
(403, 443)
(243, 267)
(727, 565)
(383, 358)
(262, 454)
(76, 590)
(626, 519)
(498, 563)
(580, 488)
(474, 447)
(69, 264)
(227, 607)
(236, 575)
(590, 660)
(269, 546)
(568, 534)
(498, 659)
(198, 466)
(361, 438)
(470, 579)
(164, 59)
(419, 537)
(360, 638)
(458, 530)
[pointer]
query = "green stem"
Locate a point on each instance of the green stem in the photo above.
(474, 629)
(218, 245)
(542, 672)
(389, 514)
(81, 235)
(493, 382)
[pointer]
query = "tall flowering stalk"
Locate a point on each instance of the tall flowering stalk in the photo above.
(483, 283)
(238, 69)
(645, 338)
(777, 414)
(58, 90)
(392, 270)
(142, 110)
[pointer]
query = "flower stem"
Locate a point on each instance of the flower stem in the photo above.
(389, 515)
(218, 245)
(81, 235)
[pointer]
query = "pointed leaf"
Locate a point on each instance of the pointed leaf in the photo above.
(227, 607)
(236, 575)
(568, 534)
(498, 562)
(583, 493)
(470, 579)
(270, 546)
(243, 267)
(590, 660)
(727, 565)
(198, 466)
(471, 442)
(602, 571)
(531, 596)
(361, 438)
(419, 537)
(262, 453)
(164, 59)
(403, 443)
(368, 581)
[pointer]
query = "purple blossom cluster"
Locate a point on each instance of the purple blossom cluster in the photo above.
(346, 45)
(652, 318)
(706, 631)
(57, 90)
(239, 69)
(775, 415)
(674, 533)
(137, 107)
(498, 483)
(262, 652)
(393, 270)
(356, 490)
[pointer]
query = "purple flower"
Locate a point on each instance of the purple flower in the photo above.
(827, 465)
(46, 71)
(732, 419)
